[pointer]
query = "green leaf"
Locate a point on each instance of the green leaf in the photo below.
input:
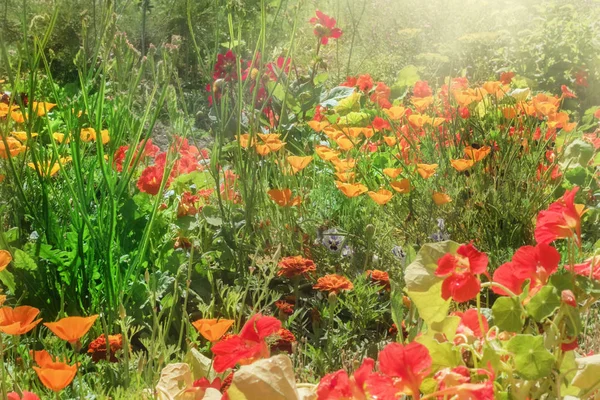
(589, 372)
(22, 260)
(443, 355)
(321, 78)
(407, 76)
(508, 314)
(354, 119)
(544, 303)
(577, 175)
(432, 308)
(397, 304)
(212, 216)
(332, 97)
(349, 104)
(577, 154)
(8, 279)
(532, 359)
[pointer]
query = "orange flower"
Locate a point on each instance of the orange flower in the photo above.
(17, 116)
(72, 329)
(295, 266)
(421, 103)
(56, 375)
(392, 172)
(283, 197)
(245, 140)
(326, 153)
(344, 143)
(401, 186)
(318, 126)
(426, 170)
(390, 140)
(213, 329)
(2, 299)
(299, 163)
(395, 113)
(418, 120)
(41, 108)
(333, 283)
(60, 137)
(19, 320)
(345, 176)
(98, 347)
(351, 189)
(14, 147)
(380, 277)
(381, 197)
(343, 165)
(477, 154)
(87, 134)
(22, 135)
(5, 259)
(270, 142)
(441, 198)
(461, 164)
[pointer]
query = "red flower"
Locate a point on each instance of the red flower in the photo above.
(325, 27)
(225, 67)
(459, 272)
(295, 266)
(469, 325)
(285, 307)
(456, 383)
(98, 347)
(568, 298)
(188, 205)
(380, 277)
(380, 124)
(561, 220)
(285, 341)
(590, 268)
(349, 82)
(422, 89)
(566, 93)
(150, 180)
(571, 344)
(381, 95)
(338, 386)
(404, 367)
(506, 77)
(364, 82)
(246, 347)
(535, 264)
(26, 396)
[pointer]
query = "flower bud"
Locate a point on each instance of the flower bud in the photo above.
(567, 297)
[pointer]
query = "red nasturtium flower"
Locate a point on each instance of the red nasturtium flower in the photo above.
(295, 266)
(535, 264)
(72, 329)
(456, 383)
(26, 396)
(460, 272)
(98, 347)
(339, 386)
(561, 220)
(225, 67)
(333, 283)
(325, 27)
(18, 320)
(469, 326)
(213, 329)
(589, 268)
(246, 347)
(404, 368)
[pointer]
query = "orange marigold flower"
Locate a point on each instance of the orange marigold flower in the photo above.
(5, 259)
(285, 307)
(380, 277)
(333, 283)
(72, 329)
(98, 347)
(56, 375)
(213, 329)
(18, 320)
(285, 341)
(294, 266)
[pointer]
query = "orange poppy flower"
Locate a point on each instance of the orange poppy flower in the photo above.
(213, 329)
(245, 140)
(270, 142)
(441, 198)
(326, 153)
(22, 135)
(5, 259)
(87, 134)
(345, 176)
(435, 122)
(395, 113)
(368, 132)
(299, 163)
(41, 108)
(17, 116)
(56, 375)
(283, 197)
(421, 103)
(41, 357)
(351, 189)
(333, 283)
(318, 126)
(401, 186)
(477, 154)
(392, 172)
(418, 120)
(2, 177)
(60, 137)
(426, 170)
(390, 140)
(344, 143)
(72, 329)
(353, 132)
(19, 320)
(381, 197)
(105, 136)
(14, 147)
(509, 112)
(461, 164)
(343, 165)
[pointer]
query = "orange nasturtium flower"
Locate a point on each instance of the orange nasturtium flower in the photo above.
(426, 170)
(381, 197)
(5, 259)
(299, 163)
(401, 186)
(462, 164)
(41, 108)
(477, 154)
(56, 375)
(283, 197)
(333, 283)
(72, 329)
(441, 198)
(351, 189)
(213, 329)
(18, 320)
(392, 172)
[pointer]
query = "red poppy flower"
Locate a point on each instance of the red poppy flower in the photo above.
(405, 368)
(561, 220)
(246, 347)
(225, 67)
(325, 27)
(535, 264)
(459, 272)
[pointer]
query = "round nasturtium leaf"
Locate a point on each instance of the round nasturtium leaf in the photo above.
(532, 359)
